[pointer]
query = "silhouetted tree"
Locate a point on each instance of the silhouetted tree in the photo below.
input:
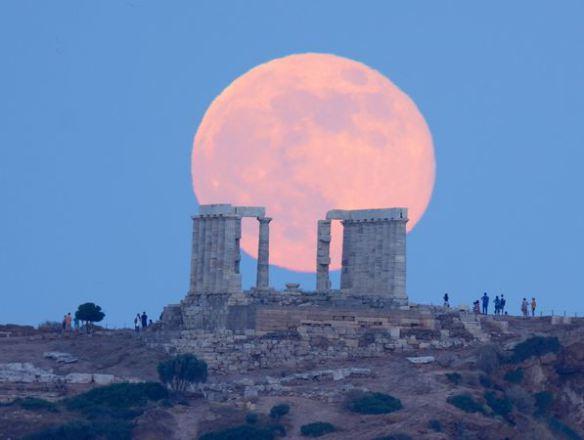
(89, 313)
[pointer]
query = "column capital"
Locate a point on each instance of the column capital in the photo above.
(264, 219)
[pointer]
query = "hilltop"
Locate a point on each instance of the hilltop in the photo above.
(512, 388)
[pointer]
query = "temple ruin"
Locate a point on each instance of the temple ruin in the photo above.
(373, 267)
(368, 315)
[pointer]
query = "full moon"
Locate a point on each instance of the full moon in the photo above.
(307, 133)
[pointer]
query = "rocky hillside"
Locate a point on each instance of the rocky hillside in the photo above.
(525, 382)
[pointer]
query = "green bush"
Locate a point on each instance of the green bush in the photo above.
(279, 411)
(243, 432)
(543, 402)
(435, 425)
(535, 346)
(277, 429)
(252, 418)
(455, 378)
(398, 436)
(117, 398)
(182, 371)
(514, 376)
(374, 403)
(317, 429)
(112, 430)
(34, 404)
(564, 430)
(466, 403)
(500, 406)
(485, 381)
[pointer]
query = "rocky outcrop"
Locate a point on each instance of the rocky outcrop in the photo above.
(26, 372)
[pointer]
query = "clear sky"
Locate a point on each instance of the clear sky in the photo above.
(100, 100)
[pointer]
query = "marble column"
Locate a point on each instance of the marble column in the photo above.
(263, 270)
(323, 259)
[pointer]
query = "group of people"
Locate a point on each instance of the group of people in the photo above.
(66, 324)
(499, 303)
(141, 321)
(525, 307)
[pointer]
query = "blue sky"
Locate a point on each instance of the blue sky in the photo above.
(99, 102)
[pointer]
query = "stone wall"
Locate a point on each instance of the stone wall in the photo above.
(320, 335)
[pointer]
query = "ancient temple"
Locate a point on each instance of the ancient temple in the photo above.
(373, 270)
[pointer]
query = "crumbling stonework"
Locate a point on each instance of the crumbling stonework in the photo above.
(263, 328)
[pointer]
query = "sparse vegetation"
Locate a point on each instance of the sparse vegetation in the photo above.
(543, 402)
(535, 346)
(488, 358)
(373, 403)
(466, 403)
(500, 406)
(455, 378)
(486, 381)
(252, 418)
(514, 376)
(120, 397)
(317, 429)
(110, 430)
(562, 429)
(181, 371)
(398, 436)
(35, 404)
(246, 432)
(435, 425)
(279, 411)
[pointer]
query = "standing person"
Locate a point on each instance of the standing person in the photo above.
(137, 321)
(502, 304)
(524, 307)
(485, 299)
(476, 308)
(68, 319)
(446, 303)
(76, 324)
(533, 305)
(497, 305)
(144, 320)
(64, 324)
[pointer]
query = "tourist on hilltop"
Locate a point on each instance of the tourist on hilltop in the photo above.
(64, 324)
(533, 305)
(497, 305)
(137, 321)
(502, 307)
(76, 324)
(524, 308)
(476, 307)
(68, 320)
(485, 299)
(446, 303)
(144, 320)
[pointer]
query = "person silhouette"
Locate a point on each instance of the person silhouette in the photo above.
(485, 299)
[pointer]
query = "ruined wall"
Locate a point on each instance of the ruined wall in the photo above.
(319, 336)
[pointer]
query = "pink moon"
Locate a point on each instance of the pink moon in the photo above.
(307, 133)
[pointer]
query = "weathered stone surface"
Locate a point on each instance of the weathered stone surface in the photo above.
(65, 358)
(421, 359)
(25, 372)
(79, 378)
(103, 379)
(367, 214)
